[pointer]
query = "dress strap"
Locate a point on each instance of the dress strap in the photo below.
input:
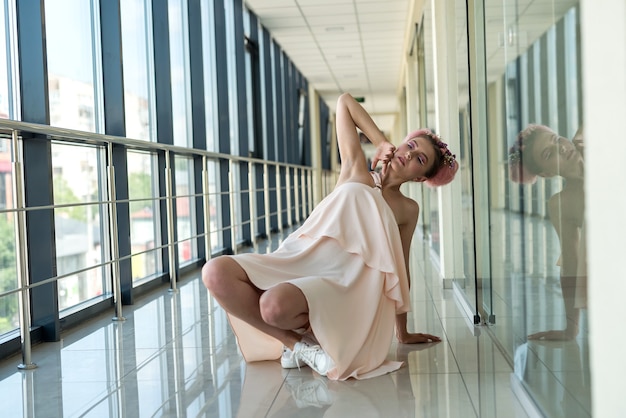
(378, 181)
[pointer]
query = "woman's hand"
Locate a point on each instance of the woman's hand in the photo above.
(418, 338)
(384, 153)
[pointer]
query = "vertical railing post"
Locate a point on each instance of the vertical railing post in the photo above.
(266, 200)
(115, 252)
(21, 262)
(252, 201)
(297, 196)
(231, 197)
(304, 198)
(279, 198)
(206, 200)
(288, 186)
(169, 204)
(310, 200)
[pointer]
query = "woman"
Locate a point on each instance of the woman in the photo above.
(539, 151)
(328, 297)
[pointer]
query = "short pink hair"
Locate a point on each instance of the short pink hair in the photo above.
(522, 168)
(446, 167)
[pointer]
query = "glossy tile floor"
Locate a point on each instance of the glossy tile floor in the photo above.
(175, 356)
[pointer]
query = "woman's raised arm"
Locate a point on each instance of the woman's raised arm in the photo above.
(350, 116)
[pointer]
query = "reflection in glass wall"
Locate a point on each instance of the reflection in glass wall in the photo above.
(71, 33)
(80, 229)
(536, 193)
(136, 18)
(145, 235)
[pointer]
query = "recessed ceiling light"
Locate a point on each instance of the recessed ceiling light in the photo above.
(344, 56)
(334, 29)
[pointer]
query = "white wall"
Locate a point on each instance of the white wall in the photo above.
(603, 28)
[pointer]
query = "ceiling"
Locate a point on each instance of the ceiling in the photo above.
(354, 46)
(358, 46)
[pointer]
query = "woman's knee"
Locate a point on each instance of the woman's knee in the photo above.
(214, 273)
(281, 304)
(271, 309)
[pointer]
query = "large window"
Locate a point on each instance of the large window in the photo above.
(179, 62)
(8, 69)
(8, 253)
(185, 209)
(72, 44)
(138, 61)
(210, 83)
(81, 228)
(145, 232)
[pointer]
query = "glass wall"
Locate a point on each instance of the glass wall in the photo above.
(181, 85)
(516, 79)
(8, 251)
(74, 224)
(536, 195)
(73, 63)
(185, 210)
(139, 98)
(81, 231)
(145, 232)
(8, 69)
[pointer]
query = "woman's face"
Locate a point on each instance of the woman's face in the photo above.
(414, 158)
(556, 156)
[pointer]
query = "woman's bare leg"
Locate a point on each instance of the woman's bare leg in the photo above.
(230, 286)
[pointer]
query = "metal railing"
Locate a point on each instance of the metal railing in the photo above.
(297, 183)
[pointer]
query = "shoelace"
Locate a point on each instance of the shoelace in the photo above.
(309, 349)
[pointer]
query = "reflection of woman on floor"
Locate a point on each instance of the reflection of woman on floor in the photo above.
(341, 278)
(539, 151)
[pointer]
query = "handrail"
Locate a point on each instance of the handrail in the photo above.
(290, 179)
(92, 138)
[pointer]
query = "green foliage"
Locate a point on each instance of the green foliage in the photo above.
(8, 273)
(63, 194)
(139, 187)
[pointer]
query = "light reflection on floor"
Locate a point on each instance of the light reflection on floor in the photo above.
(176, 356)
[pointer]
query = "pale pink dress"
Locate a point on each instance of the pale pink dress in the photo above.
(348, 261)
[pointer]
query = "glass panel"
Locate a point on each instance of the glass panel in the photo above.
(179, 62)
(468, 282)
(210, 88)
(139, 102)
(233, 97)
(537, 199)
(70, 40)
(79, 228)
(185, 210)
(8, 253)
(215, 207)
(8, 69)
(426, 89)
(145, 235)
(250, 57)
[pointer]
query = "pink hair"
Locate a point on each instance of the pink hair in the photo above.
(448, 166)
(523, 170)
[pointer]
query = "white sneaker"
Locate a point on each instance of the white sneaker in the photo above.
(313, 356)
(288, 360)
